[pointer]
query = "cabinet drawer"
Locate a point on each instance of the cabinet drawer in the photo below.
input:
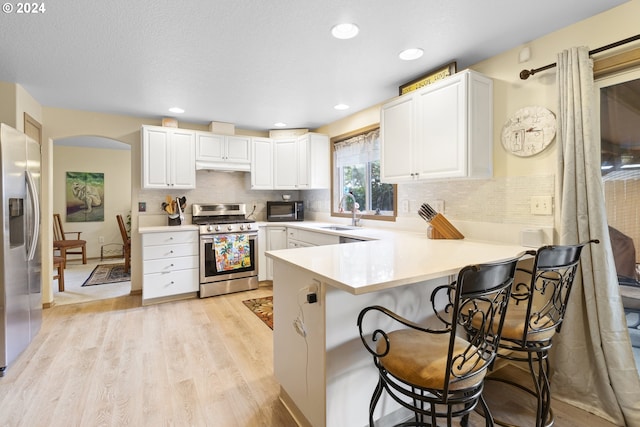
(169, 238)
(312, 237)
(165, 265)
(169, 251)
(157, 285)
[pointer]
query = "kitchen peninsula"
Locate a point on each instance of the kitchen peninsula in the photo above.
(326, 375)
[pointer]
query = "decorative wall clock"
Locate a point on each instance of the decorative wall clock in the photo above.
(529, 131)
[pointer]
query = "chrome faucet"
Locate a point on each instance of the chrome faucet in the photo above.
(354, 221)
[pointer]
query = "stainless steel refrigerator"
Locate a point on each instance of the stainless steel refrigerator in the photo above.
(20, 267)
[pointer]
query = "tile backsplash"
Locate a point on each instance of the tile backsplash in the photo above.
(217, 187)
(503, 200)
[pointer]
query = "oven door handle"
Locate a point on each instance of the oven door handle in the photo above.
(209, 237)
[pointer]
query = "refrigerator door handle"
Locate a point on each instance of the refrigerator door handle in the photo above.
(33, 195)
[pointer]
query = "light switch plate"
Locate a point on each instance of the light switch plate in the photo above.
(542, 205)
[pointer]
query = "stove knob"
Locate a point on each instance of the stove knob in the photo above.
(241, 227)
(210, 228)
(218, 228)
(248, 226)
(230, 227)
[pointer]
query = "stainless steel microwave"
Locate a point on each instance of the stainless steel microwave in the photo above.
(290, 210)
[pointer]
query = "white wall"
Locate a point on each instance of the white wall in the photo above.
(116, 167)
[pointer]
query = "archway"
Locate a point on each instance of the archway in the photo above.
(109, 162)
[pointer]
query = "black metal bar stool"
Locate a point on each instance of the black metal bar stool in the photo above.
(438, 373)
(537, 307)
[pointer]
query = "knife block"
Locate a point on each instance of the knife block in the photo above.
(441, 228)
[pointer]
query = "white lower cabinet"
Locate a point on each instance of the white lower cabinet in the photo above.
(170, 265)
(276, 238)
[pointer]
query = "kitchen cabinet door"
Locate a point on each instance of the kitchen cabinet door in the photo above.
(261, 163)
(223, 152)
(183, 156)
(276, 239)
(313, 153)
(238, 149)
(285, 173)
(397, 140)
(444, 130)
(155, 158)
(209, 147)
(168, 158)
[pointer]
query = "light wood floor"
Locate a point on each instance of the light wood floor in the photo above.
(199, 362)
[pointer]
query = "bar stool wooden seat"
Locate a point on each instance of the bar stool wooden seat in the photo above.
(59, 264)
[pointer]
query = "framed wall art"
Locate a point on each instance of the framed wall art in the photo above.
(429, 78)
(85, 196)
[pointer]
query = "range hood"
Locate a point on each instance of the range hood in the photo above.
(223, 166)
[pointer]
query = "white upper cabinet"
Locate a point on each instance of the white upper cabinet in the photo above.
(285, 164)
(261, 163)
(168, 158)
(444, 130)
(313, 161)
(296, 163)
(223, 152)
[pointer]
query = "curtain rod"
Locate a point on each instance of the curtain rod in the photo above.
(524, 74)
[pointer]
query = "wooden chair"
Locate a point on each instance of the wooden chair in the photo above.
(62, 244)
(59, 264)
(126, 243)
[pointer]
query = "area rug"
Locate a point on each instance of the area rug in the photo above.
(107, 273)
(263, 308)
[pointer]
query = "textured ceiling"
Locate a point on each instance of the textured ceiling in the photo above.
(254, 63)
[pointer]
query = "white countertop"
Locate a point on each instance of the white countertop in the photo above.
(398, 258)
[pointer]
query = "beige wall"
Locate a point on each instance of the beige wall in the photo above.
(15, 101)
(8, 103)
(26, 103)
(511, 93)
(116, 167)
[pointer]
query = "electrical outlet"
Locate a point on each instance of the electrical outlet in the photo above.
(438, 205)
(542, 205)
(405, 206)
(101, 239)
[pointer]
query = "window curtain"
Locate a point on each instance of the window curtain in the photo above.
(360, 149)
(592, 358)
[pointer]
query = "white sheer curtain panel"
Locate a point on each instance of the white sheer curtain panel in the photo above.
(360, 149)
(591, 357)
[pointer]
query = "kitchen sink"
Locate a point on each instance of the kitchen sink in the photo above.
(337, 228)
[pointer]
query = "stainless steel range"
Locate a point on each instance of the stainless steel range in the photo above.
(228, 248)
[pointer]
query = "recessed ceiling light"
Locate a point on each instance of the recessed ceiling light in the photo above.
(176, 110)
(280, 125)
(341, 107)
(344, 31)
(411, 54)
